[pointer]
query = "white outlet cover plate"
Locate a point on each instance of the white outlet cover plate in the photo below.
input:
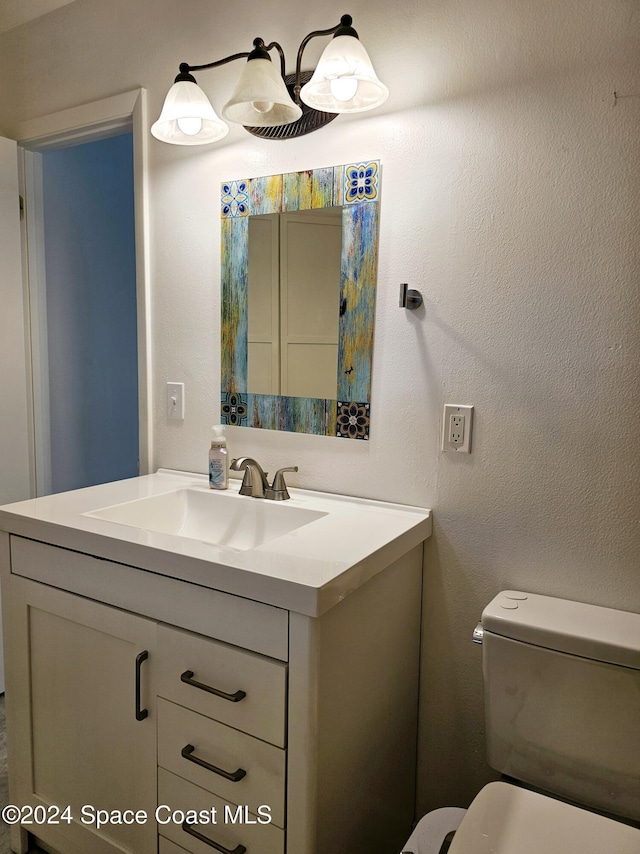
(451, 440)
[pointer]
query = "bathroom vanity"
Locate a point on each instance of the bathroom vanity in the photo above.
(212, 672)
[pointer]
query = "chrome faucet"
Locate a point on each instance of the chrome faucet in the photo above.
(255, 481)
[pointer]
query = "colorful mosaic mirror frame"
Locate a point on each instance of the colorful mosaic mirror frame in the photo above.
(355, 187)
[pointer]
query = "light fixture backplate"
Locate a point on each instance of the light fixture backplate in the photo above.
(309, 121)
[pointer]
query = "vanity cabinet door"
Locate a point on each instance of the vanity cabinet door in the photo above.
(85, 672)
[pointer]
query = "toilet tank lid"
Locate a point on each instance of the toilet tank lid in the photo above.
(590, 631)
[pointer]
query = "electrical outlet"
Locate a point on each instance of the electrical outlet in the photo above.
(456, 428)
(175, 401)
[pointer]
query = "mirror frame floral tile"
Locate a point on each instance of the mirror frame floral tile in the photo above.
(356, 188)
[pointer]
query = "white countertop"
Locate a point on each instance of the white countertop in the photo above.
(308, 570)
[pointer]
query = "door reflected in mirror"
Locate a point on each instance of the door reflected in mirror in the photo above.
(294, 302)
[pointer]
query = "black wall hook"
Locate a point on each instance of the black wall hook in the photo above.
(409, 298)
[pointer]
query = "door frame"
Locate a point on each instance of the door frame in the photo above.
(85, 123)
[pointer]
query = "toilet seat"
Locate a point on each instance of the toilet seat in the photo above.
(506, 819)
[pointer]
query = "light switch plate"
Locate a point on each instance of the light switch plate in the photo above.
(457, 427)
(175, 401)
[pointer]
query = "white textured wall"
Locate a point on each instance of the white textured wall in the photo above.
(510, 198)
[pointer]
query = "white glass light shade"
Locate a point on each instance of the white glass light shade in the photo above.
(260, 98)
(187, 117)
(344, 80)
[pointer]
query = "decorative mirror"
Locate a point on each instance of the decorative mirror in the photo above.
(299, 262)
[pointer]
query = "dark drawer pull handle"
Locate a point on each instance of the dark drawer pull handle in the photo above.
(187, 677)
(234, 776)
(188, 828)
(141, 714)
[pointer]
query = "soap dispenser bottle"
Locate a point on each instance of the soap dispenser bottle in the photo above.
(218, 459)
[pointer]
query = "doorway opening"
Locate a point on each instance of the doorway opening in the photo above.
(90, 271)
(86, 274)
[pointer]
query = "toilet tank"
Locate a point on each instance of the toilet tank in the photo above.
(562, 698)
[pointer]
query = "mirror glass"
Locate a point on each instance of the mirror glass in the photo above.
(294, 302)
(298, 281)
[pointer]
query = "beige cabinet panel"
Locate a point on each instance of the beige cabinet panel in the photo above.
(234, 826)
(262, 682)
(232, 619)
(166, 846)
(226, 749)
(85, 744)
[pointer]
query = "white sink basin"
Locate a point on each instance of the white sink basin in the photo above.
(229, 520)
(306, 554)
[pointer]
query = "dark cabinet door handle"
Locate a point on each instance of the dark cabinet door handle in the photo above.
(234, 776)
(188, 828)
(141, 714)
(187, 677)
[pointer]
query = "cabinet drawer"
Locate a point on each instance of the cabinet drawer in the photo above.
(166, 846)
(229, 831)
(250, 689)
(263, 781)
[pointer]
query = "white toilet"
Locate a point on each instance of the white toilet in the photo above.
(562, 714)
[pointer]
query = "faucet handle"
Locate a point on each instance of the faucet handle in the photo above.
(278, 490)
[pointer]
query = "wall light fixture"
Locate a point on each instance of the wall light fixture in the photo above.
(272, 104)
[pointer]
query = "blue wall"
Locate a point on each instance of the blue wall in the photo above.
(91, 312)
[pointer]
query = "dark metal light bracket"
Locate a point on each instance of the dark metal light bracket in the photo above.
(309, 121)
